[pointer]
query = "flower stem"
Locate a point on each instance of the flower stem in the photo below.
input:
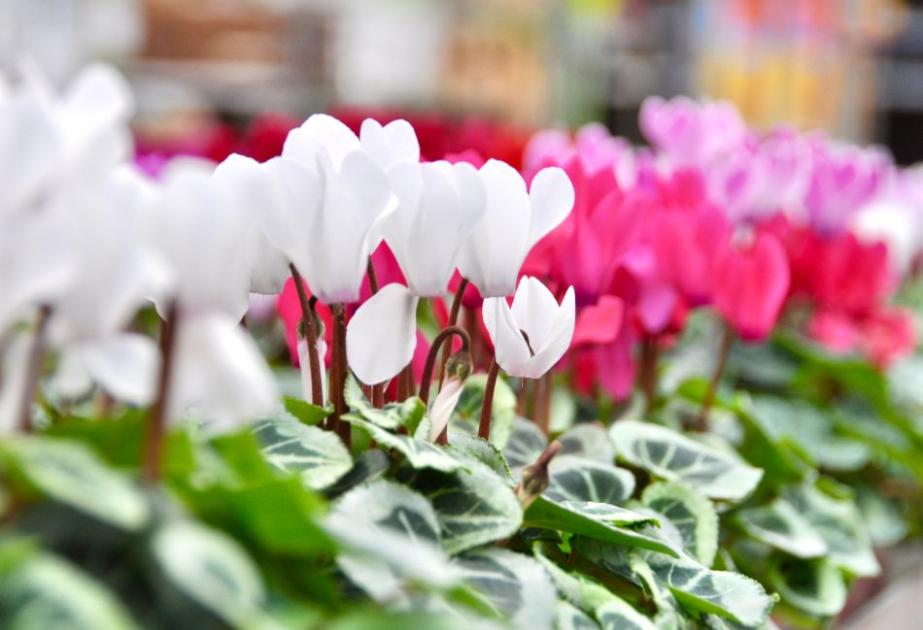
(310, 332)
(542, 403)
(522, 398)
(157, 423)
(650, 352)
(453, 319)
(34, 369)
(727, 339)
(442, 339)
(373, 277)
(339, 370)
(487, 407)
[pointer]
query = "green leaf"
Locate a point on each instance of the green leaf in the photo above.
(210, 569)
(814, 586)
(617, 614)
(473, 506)
(590, 441)
(571, 518)
(692, 514)
(464, 446)
(882, 517)
(568, 617)
(69, 473)
(391, 417)
(418, 453)
(305, 412)
(611, 514)
(781, 526)
(515, 584)
(390, 536)
(120, 441)
(47, 592)
(377, 619)
(578, 589)
(839, 524)
(503, 410)
(674, 457)
(577, 479)
(695, 587)
(277, 515)
(723, 593)
(368, 466)
(806, 425)
(525, 444)
(318, 457)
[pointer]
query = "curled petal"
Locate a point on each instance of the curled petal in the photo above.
(510, 348)
(600, 323)
(443, 407)
(552, 198)
(391, 143)
(562, 332)
(381, 335)
(219, 374)
(124, 365)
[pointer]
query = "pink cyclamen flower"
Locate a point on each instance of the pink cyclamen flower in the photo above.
(750, 286)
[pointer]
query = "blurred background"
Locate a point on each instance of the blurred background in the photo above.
(852, 67)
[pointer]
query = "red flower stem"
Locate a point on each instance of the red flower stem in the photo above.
(453, 319)
(34, 369)
(650, 353)
(442, 339)
(727, 339)
(157, 423)
(373, 277)
(310, 333)
(487, 407)
(338, 374)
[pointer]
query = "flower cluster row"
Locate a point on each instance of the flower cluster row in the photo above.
(607, 248)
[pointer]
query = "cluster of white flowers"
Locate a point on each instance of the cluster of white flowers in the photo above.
(86, 240)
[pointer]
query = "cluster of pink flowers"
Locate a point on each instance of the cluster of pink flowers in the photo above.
(712, 215)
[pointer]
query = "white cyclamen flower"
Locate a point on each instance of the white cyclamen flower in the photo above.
(119, 271)
(514, 221)
(203, 233)
(50, 141)
(219, 373)
(335, 197)
(253, 188)
(439, 205)
(533, 334)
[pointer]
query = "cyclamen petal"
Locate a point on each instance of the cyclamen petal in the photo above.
(535, 315)
(439, 205)
(513, 221)
(335, 201)
(381, 335)
(443, 406)
(219, 374)
(124, 366)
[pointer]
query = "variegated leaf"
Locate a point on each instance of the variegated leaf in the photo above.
(515, 584)
(839, 524)
(418, 453)
(319, 457)
(671, 456)
(578, 479)
(692, 514)
(780, 525)
(474, 506)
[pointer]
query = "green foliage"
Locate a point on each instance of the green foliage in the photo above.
(810, 463)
